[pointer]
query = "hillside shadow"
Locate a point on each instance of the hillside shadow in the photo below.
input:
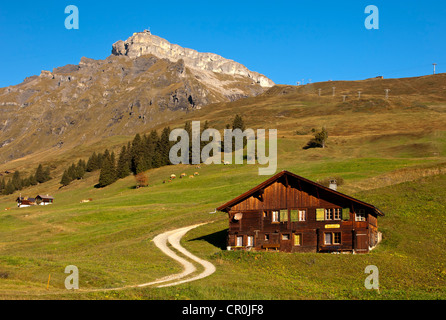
(217, 239)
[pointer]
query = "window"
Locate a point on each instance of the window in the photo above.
(283, 215)
(332, 238)
(285, 236)
(303, 215)
(275, 216)
(360, 215)
(329, 214)
(298, 215)
(320, 213)
(266, 237)
(239, 242)
(297, 239)
(336, 238)
(294, 215)
(265, 214)
(250, 241)
(337, 214)
(328, 238)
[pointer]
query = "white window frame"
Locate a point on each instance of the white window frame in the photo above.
(337, 214)
(328, 213)
(302, 214)
(360, 215)
(325, 238)
(239, 241)
(250, 241)
(275, 216)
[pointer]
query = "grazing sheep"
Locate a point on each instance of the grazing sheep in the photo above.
(191, 176)
(172, 176)
(196, 174)
(198, 167)
(182, 175)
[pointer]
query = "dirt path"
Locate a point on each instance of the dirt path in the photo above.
(174, 238)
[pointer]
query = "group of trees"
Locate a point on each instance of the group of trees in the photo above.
(18, 182)
(319, 140)
(74, 172)
(143, 153)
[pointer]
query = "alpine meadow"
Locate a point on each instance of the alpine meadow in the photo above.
(88, 183)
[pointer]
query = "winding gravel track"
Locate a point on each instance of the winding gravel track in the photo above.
(174, 238)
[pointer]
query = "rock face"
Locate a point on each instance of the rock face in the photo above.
(144, 43)
(145, 82)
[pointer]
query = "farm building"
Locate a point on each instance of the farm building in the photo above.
(44, 200)
(25, 202)
(293, 214)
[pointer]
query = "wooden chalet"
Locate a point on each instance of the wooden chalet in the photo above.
(23, 202)
(44, 200)
(293, 214)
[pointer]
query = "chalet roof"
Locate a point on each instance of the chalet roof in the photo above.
(44, 197)
(227, 206)
(27, 199)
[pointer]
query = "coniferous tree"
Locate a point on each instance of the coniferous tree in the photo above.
(108, 171)
(2, 185)
(137, 155)
(72, 172)
(204, 143)
(164, 147)
(238, 123)
(150, 148)
(188, 129)
(16, 181)
(66, 180)
(100, 160)
(79, 171)
(9, 188)
(32, 180)
(123, 167)
(40, 175)
(92, 163)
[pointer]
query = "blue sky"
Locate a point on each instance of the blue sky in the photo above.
(286, 40)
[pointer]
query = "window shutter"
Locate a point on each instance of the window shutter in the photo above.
(283, 215)
(346, 214)
(297, 239)
(320, 214)
(294, 215)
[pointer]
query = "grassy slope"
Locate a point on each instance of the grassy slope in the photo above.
(109, 239)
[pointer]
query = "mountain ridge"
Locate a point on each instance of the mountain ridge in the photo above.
(119, 95)
(143, 43)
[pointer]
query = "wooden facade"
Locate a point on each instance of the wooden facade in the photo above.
(41, 200)
(44, 200)
(293, 214)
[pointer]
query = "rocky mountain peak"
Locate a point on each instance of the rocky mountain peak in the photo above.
(145, 43)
